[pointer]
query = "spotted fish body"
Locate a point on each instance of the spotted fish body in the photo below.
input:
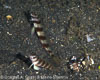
(39, 30)
(37, 63)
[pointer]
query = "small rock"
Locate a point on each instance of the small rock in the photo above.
(9, 17)
(53, 20)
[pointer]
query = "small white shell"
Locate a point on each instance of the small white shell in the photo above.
(83, 62)
(92, 61)
(89, 38)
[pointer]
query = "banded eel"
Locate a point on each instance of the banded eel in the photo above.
(36, 26)
(35, 62)
(38, 63)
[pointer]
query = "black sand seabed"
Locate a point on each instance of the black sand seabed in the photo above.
(66, 24)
